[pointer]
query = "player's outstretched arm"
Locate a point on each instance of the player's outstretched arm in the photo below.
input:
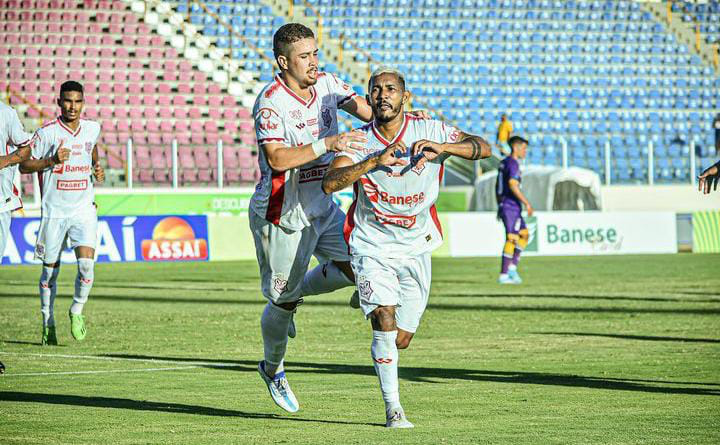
(708, 180)
(342, 172)
(15, 157)
(282, 158)
(514, 185)
(38, 165)
(468, 147)
(359, 108)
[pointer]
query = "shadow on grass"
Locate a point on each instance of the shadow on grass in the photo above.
(311, 302)
(19, 342)
(633, 337)
(431, 375)
(145, 405)
(583, 297)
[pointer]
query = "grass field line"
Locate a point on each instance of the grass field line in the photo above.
(123, 359)
(106, 371)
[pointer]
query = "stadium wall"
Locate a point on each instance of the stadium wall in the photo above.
(159, 238)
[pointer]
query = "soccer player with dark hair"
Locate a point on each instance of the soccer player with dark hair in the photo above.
(392, 226)
(510, 202)
(64, 154)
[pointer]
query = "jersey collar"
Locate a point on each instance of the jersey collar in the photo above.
(307, 103)
(397, 137)
(68, 129)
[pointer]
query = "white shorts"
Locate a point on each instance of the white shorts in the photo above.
(4, 231)
(400, 282)
(77, 230)
(284, 256)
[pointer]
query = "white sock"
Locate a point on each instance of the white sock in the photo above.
(48, 291)
(324, 278)
(83, 284)
(512, 267)
(385, 359)
(274, 324)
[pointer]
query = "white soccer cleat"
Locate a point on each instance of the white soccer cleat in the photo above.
(395, 418)
(515, 276)
(279, 389)
(505, 279)
(355, 300)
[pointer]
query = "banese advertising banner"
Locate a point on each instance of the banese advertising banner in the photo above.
(123, 238)
(567, 233)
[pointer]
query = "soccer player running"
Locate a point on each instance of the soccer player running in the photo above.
(392, 225)
(15, 149)
(510, 201)
(65, 156)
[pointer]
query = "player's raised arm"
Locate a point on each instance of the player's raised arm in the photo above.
(282, 158)
(342, 172)
(708, 180)
(358, 107)
(467, 147)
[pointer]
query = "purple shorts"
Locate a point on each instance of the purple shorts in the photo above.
(512, 219)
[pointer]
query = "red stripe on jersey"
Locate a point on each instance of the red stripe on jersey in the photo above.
(47, 124)
(279, 80)
(397, 137)
(442, 172)
(16, 192)
(273, 88)
(68, 129)
(277, 196)
(349, 224)
(436, 220)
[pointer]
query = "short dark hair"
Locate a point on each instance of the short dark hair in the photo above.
(386, 70)
(517, 140)
(71, 85)
(288, 34)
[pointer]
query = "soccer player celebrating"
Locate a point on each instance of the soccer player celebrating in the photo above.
(65, 156)
(392, 225)
(291, 219)
(510, 201)
(12, 137)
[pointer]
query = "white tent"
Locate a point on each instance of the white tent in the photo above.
(547, 188)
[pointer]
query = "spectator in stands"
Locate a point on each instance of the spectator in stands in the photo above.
(505, 129)
(716, 126)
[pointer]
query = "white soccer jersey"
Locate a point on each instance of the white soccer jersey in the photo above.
(67, 188)
(393, 214)
(12, 135)
(294, 197)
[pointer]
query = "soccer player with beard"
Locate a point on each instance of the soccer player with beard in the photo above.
(392, 225)
(290, 217)
(65, 157)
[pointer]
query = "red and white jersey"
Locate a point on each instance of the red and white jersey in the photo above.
(294, 197)
(12, 135)
(393, 214)
(67, 188)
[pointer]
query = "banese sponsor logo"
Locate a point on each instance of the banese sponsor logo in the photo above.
(601, 238)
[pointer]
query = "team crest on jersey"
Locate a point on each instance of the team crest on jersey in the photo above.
(326, 117)
(364, 288)
(39, 250)
(296, 114)
(418, 168)
(279, 283)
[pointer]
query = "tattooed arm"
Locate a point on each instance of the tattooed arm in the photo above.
(15, 157)
(467, 147)
(342, 172)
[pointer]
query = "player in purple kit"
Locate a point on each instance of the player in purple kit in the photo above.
(510, 201)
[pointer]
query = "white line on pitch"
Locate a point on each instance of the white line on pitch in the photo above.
(26, 374)
(125, 359)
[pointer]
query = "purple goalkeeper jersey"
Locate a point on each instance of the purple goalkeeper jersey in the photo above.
(508, 169)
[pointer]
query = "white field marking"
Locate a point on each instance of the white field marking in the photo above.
(28, 374)
(160, 285)
(125, 359)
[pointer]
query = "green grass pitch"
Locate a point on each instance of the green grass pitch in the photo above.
(610, 350)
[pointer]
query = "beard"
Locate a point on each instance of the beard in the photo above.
(386, 115)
